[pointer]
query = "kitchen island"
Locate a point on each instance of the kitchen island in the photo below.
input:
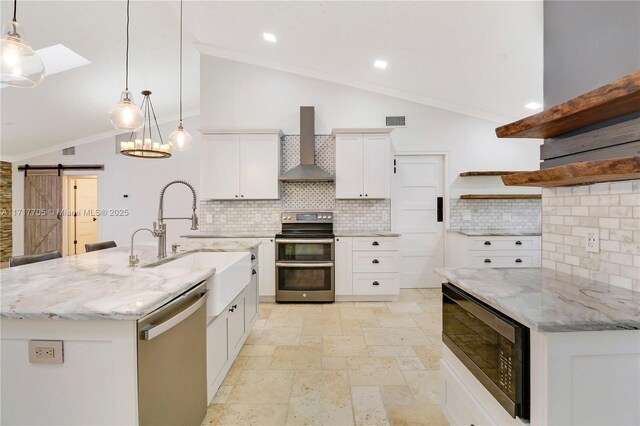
(93, 305)
(583, 349)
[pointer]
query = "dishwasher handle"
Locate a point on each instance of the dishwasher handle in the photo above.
(156, 330)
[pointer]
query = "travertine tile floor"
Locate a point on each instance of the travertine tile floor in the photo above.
(362, 363)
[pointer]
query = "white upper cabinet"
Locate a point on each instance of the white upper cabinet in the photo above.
(363, 165)
(238, 166)
(349, 166)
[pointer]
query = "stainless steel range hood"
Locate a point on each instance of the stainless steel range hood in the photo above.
(307, 170)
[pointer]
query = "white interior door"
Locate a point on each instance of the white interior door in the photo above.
(83, 200)
(418, 182)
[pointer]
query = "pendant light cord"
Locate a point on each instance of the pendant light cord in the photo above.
(126, 84)
(15, 6)
(181, 62)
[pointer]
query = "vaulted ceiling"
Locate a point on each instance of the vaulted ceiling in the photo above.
(482, 58)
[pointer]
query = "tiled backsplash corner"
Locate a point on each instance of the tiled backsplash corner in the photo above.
(499, 215)
(613, 209)
(264, 215)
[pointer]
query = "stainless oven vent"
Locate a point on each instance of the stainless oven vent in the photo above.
(307, 170)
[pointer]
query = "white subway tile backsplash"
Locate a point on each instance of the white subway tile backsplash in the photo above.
(614, 210)
(505, 215)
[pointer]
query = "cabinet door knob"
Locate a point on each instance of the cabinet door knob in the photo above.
(375, 243)
(241, 195)
(235, 306)
(487, 243)
(236, 196)
(361, 195)
(518, 260)
(231, 309)
(366, 195)
(253, 272)
(518, 243)
(375, 261)
(487, 261)
(375, 283)
(253, 257)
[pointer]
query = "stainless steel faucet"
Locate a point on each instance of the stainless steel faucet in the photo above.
(133, 259)
(161, 228)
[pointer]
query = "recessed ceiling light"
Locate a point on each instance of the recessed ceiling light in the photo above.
(533, 105)
(379, 63)
(271, 38)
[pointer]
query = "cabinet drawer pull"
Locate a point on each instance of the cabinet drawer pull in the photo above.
(375, 283)
(518, 243)
(241, 196)
(375, 261)
(366, 195)
(361, 195)
(236, 196)
(253, 272)
(518, 260)
(375, 243)
(487, 261)
(487, 243)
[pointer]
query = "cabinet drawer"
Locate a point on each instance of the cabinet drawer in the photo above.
(375, 243)
(504, 260)
(383, 261)
(376, 284)
(504, 243)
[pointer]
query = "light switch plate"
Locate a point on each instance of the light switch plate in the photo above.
(46, 352)
(593, 241)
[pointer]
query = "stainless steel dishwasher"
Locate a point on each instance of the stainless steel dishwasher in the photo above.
(172, 364)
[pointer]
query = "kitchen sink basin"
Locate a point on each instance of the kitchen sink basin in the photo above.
(233, 273)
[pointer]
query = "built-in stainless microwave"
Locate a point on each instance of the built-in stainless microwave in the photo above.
(494, 347)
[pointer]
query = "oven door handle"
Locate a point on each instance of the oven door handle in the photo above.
(304, 264)
(303, 241)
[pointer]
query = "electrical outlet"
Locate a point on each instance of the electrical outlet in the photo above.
(209, 218)
(46, 352)
(593, 241)
(223, 218)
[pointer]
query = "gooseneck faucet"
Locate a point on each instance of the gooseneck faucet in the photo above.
(161, 229)
(133, 259)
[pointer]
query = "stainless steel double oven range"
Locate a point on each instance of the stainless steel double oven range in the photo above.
(305, 253)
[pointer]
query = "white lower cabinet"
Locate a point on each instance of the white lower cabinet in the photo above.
(367, 268)
(267, 272)
(227, 332)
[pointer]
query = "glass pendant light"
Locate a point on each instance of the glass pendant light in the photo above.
(145, 146)
(180, 139)
(20, 66)
(125, 115)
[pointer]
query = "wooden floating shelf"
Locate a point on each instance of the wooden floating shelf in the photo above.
(582, 173)
(615, 99)
(489, 173)
(500, 196)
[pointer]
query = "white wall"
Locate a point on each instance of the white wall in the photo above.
(141, 179)
(237, 95)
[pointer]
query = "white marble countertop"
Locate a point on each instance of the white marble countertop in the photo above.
(550, 301)
(100, 285)
(366, 234)
(262, 234)
(495, 233)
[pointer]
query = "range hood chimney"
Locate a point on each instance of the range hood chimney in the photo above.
(307, 170)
